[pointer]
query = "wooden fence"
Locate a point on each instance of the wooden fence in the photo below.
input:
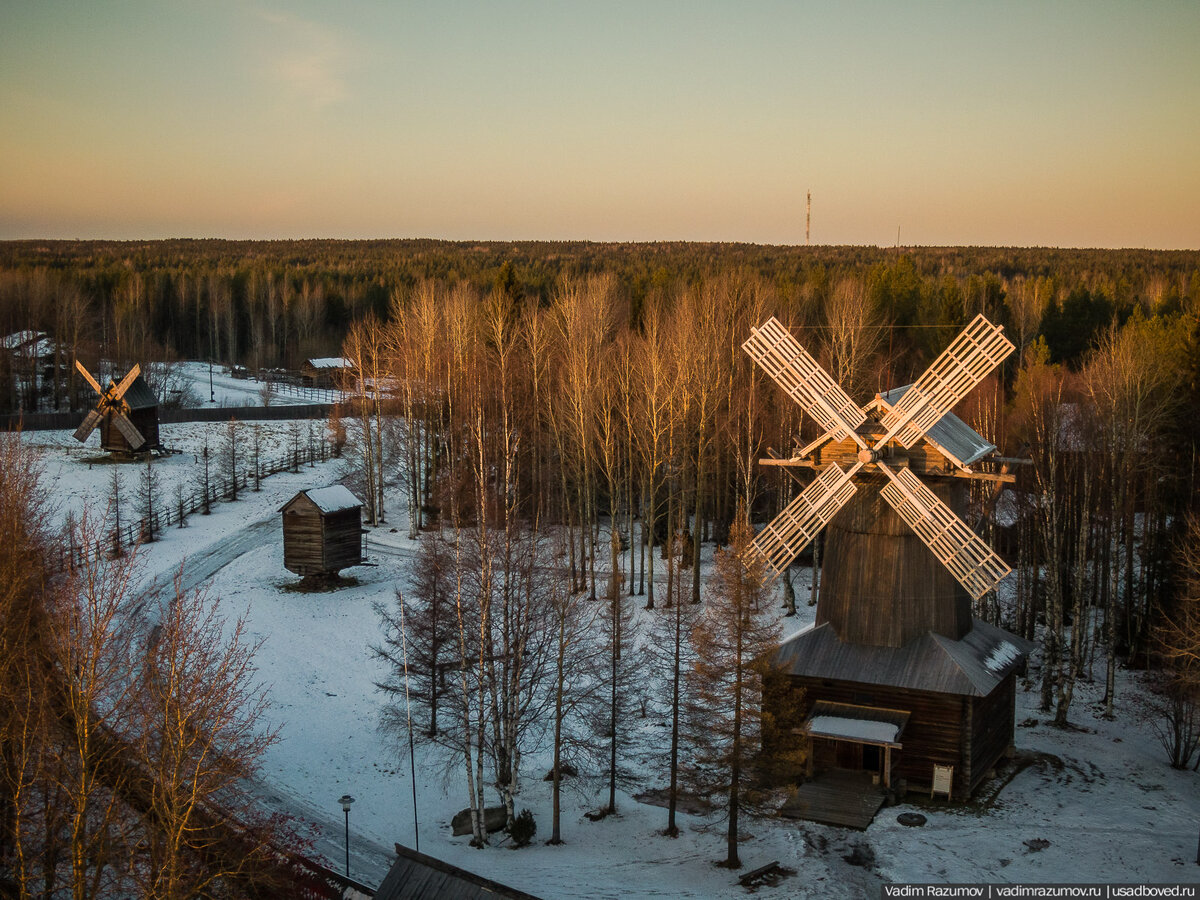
(59, 421)
(220, 487)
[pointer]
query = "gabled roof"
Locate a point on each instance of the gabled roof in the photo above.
(973, 666)
(415, 876)
(957, 440)
(331, 362)
(139, 395)
(335, 498)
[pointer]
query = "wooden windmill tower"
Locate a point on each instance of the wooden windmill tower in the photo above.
(898, 676)
(127, 413)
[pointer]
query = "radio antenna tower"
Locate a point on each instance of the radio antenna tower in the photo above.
(808, 219)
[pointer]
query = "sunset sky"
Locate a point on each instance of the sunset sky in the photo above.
(1065, 123)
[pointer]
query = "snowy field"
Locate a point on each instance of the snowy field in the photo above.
(1095, 803)
(205, 386)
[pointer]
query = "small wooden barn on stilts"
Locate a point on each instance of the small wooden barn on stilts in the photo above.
(322, 532)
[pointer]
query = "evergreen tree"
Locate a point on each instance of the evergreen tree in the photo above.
(733, 641)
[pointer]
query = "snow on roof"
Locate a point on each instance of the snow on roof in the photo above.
(856, 729)
(334, 498)
(1002, 656)
(931, 662)
(331, 362)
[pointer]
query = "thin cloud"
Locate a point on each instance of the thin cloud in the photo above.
(308, 58)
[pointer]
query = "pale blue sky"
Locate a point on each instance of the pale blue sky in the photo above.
(1067, 124)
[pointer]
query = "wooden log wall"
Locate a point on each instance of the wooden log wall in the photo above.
(303, 541)
(991, 730)
(934, 733)
(342, 544)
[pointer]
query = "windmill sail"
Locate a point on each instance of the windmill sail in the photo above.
(794, 370)
(973, 563)
(961, 366)
(790, 531)
(89, 423)
(88, 377)
(121, 422)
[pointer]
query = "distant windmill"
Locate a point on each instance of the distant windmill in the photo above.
(894, 636)
(126, 411)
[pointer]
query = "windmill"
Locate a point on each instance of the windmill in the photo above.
(894, 642)
(126, 411)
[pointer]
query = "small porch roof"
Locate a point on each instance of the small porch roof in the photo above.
(859, 724)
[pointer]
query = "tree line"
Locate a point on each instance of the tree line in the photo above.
(265, 304)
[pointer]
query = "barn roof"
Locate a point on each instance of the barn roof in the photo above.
(335, 498)
(415, 876)
(331, 362)
(950, 434)
(973, 666)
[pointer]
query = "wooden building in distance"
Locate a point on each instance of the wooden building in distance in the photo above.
(334, 372)
(322, 531)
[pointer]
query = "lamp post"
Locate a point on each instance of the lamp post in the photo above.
(212, 394)
(346, 801)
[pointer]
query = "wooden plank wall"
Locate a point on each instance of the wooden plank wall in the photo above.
(342, 539)
(991, 730)
(302, 541)
(881, 585)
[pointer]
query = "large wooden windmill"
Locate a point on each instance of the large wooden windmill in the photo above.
(898, 676)
(126, 411)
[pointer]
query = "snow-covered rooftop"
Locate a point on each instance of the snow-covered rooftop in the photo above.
(334, 498)
(32, 343)
(1001, 657)
(331, 362)
(855, 729)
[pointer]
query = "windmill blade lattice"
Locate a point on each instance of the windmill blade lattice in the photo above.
(790, 532)
(127, 428)
(973, 563)
(793, 369)
(969, 358)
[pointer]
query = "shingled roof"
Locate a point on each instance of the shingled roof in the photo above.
(415, 876)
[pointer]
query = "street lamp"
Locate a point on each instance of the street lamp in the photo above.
(346, 801)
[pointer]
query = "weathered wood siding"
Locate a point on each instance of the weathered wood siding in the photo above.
(144, 420)
(922, 457)
(342, 544)
(934, 733)
(881, 585)
(991, 730)
(303, 540)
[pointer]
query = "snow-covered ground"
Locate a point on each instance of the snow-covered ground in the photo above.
(225, 390)
(1101, 796)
